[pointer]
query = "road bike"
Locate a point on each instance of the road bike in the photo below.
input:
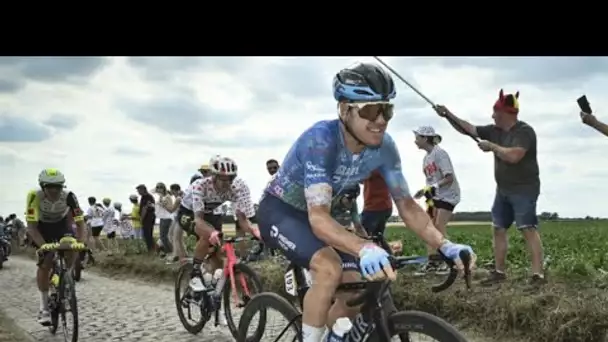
(209, 301)
(378, 320)
(62, 298)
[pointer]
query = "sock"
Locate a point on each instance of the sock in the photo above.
(44, 300)
(311, 334)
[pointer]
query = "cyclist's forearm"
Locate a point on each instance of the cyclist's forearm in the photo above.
(32, 230)
(333, 234)
(418, 221)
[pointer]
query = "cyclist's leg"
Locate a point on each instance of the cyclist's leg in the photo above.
(286, 228)
(350, 274)
(216, 221)
(241, 246)
(50, 233)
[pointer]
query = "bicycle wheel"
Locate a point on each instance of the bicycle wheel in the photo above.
(409, 323)
(186, 301)
(261, 303)
(77, 271)
(242, 273)
(69, 306)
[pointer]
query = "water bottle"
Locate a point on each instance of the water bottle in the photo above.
(340, 329)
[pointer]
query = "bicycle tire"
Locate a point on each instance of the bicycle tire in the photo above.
(401, 323)
(227, 293)
(68, 282)
(185, 269)
(77, 272)
(1, 257)
(261, 302)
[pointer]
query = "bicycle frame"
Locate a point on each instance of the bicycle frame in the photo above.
(232, 260)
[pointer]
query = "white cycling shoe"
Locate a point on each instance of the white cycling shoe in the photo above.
(196, 284)
(44, 317)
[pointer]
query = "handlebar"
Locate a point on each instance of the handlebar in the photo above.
(66, 244)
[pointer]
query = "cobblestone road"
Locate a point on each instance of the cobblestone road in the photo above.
(110, 310)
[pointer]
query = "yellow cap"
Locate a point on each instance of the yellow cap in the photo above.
(205, 167)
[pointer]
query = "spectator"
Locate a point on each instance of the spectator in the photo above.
(18, 228)
(124, 225)
(440, 177)
(95, 214)
(135, 218)
(148, 216)
(513, 144)
(377, 204)
(591, 120)
(109, 225)
(203, 172)
(178, 242)
(272, 166)
(163, 212)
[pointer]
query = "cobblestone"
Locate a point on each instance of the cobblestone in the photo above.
(109, 309)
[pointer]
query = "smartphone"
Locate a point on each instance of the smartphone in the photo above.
(583, 103)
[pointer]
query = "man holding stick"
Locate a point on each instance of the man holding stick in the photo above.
(513, 144)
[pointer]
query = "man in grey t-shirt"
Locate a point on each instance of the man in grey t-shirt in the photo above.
(513, 143)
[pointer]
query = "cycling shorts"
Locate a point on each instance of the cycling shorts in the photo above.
(185, 219)
(288, 229)
(53, 232)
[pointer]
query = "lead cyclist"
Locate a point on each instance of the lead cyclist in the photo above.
(329, 157)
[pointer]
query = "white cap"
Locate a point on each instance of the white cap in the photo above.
(427, 131)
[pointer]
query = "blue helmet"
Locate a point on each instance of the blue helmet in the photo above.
(364, 83)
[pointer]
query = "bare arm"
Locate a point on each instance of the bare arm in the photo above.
(509, 154)
(462, 126)
(600, 126)
(417, 220)
(324, 226)
(32, 230)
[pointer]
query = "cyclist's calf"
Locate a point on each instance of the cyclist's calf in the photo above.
(326, 270)
(340, 308)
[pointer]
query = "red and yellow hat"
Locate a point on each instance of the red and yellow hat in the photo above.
(507, 103)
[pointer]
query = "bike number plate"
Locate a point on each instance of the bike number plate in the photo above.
(290, 283)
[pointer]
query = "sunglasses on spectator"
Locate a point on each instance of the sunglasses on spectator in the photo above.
(372, 110)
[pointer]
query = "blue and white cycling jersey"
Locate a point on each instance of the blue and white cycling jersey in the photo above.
(319, 156)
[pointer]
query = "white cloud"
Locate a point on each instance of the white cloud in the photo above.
(252, 109)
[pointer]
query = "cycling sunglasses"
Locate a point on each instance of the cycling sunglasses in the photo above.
(372, 110)
(53, 186)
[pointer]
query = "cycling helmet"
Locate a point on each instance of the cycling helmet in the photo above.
(364, 82)
(51, 176)
(133, 197)
(117, 205)
(223, 166)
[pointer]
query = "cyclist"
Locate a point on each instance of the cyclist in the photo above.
(50, 213)
(326, 159)
(443, 186)
(345, 210)
(200, 200)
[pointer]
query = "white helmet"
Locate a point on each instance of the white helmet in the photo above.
(51, 176)
(223, 166)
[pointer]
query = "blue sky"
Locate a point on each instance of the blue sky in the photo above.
(112, 123)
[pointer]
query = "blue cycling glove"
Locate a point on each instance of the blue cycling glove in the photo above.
(372, 259)
(452, 250)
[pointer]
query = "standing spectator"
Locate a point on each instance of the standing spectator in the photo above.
(95, 214)
(135, 218)
(175, 231)
(513, 144)
(441, 182)
(377, 204)
(203, 172)
(148, 216)
(591, 120)
(109, 225)
(272, 166)
(163, 212)
(18, 228)
(124, 224)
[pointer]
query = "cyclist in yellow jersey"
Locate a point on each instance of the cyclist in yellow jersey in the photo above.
(50, 213)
